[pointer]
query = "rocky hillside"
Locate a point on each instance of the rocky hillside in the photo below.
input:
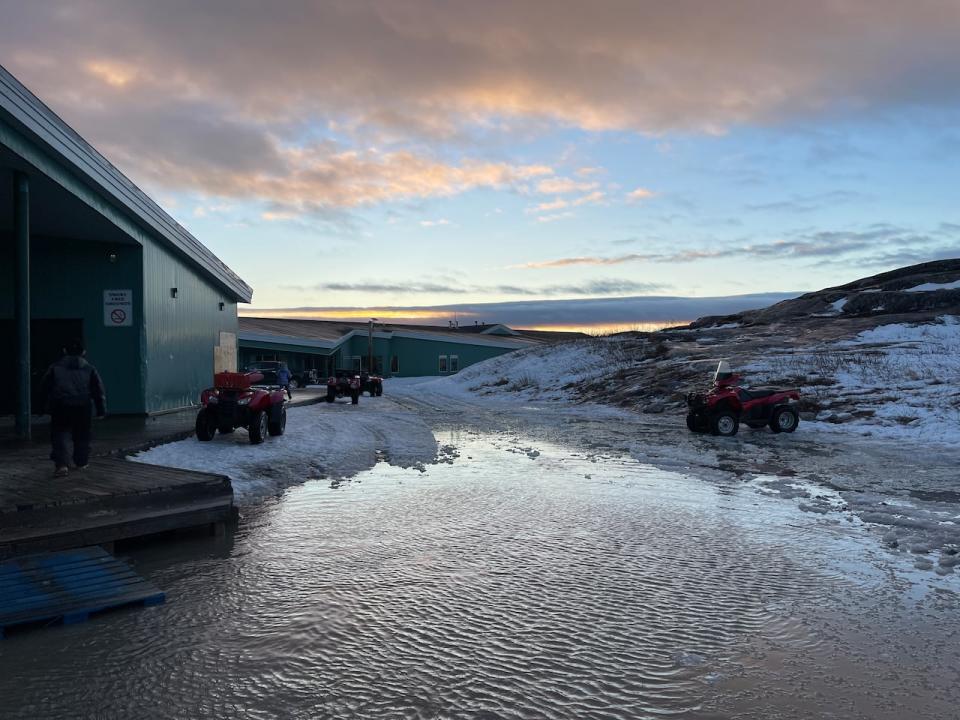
(880, 355)
(911, 294)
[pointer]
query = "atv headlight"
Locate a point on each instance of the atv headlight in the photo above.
(212, 400)
(243, 401)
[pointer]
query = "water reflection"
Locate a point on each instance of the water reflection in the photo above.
(513, 581)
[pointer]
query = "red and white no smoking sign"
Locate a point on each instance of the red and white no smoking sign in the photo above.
(118, 308)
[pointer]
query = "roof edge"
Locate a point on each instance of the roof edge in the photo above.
(67, 146)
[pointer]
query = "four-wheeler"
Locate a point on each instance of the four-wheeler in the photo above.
(250, 400)
(298, 378)
(343, 383)
(721, 410)
(371, 383)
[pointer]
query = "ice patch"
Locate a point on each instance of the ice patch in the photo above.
(930, 287)
(331, 441)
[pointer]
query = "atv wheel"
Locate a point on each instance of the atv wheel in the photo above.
(724, 423)
(697, 423)
(278, 427)
(331, 396)
(259, 427)
(354, 397)
(379, 390)
(206, 426)
(784, 419)
(294, 383)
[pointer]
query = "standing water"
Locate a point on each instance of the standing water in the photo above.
(508, 582)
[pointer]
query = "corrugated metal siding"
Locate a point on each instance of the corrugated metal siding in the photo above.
(49, 131)
(180, 333)
(67, 282)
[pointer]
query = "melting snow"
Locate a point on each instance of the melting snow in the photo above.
(929, 287)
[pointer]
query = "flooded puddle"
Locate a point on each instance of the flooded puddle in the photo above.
(513, 580)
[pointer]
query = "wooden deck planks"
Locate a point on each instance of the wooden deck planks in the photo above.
(68, 587)
(113, 499)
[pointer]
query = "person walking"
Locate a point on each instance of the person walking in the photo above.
(283, 378)
(71, 388)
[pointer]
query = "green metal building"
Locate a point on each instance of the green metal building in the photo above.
(392, 350)
(88, 254)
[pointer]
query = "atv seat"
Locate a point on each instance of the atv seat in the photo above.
(755, 393)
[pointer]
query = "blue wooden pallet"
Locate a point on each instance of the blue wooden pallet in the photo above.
(68, 587)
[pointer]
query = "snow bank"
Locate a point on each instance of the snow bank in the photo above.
(540, 373)
(897, 381)
(332, 441)
(930, 287)
(837, 305)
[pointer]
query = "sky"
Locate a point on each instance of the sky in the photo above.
(405, 158)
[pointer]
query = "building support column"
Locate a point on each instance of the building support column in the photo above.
(21, 239)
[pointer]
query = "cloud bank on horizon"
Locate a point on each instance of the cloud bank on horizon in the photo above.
(404, 152)
(614, 314)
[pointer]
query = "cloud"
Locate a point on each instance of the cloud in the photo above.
(563, 186)
(557, 204)
(880, 238)
(583, 260)
(607, 286)
(807, 203)
(325, 177)
(590, 199)
(434, 223)
(622, 311)
(232, 99)
(635, 196)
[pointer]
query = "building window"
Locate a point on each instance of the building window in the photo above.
(454, 363)
(443, 364)
(395, 364)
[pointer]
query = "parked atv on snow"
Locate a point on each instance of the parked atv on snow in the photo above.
(372, 384)
(251, 400)
(721, 410)
(344, 383)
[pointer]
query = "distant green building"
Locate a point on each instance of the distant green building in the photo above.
(89, 255)
(391, 350)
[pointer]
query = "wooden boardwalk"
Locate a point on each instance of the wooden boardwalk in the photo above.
(114, 499)
(68, 587)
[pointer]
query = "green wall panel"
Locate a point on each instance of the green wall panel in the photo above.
(180, 333)
(67, 282)
(421, 357)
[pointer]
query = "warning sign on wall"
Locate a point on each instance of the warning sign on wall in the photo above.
(118, 308)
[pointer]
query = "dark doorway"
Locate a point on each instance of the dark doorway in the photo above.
(47, 338)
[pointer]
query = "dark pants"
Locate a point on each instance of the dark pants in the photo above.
(287, 388)
(66, 423)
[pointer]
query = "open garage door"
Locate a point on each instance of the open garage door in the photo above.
(47, 338)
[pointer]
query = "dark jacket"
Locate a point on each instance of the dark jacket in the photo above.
(283, 376)
(72, 382)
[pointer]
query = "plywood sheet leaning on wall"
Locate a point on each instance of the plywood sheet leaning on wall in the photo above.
(225, 354)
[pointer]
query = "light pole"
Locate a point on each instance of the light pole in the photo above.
(370, 345)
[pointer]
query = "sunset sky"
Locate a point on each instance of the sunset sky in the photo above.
(410, 153)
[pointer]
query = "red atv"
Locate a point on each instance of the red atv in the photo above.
(246, 400)
(343, 383)
(721, 410)
(371, 383)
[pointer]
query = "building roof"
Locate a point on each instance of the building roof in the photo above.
(44, 127)
(330, 334)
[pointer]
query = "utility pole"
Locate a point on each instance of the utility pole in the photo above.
(21, 312)
(370, 345)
